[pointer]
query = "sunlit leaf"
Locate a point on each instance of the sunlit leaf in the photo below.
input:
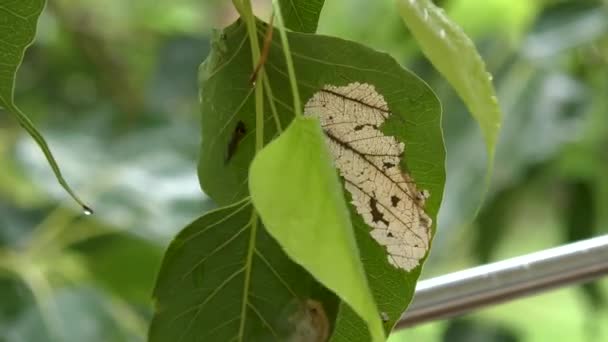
(301, 15)
(225, 279)
(295, 188)
(18, 20)
(455, 56)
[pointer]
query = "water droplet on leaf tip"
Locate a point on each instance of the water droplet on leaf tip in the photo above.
(490, 77)
(87, 211)
(442, 33)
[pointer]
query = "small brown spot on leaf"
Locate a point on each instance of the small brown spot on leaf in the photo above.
(237, 135)
(395, 200)
(377, 216)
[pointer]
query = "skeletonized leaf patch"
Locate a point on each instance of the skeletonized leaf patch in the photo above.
(369, 161)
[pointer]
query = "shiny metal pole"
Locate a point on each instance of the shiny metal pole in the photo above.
(461, 292)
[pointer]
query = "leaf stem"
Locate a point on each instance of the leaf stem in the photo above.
(297, 103)
(238, 6)
(247, 15)
(270, 98)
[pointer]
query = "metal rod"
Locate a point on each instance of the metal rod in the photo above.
(461, 292)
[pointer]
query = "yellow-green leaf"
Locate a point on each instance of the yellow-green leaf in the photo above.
(452, 52)
(295, 188)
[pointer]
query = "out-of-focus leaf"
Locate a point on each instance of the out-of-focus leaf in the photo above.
(455, 56)
(466, 330)
(576, 24)
(225, 279)
(388, 34)
(14, 300)
(124, 265)
(493, 17)
(76, 315)
(295, 189)
(579, 213)
(18, 28)
(545, 114)
(492, 222)
(144, 180)
(301, 15)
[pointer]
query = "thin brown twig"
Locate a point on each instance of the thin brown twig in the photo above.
(265, 50)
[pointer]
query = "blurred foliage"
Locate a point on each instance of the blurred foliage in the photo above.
(112, 85)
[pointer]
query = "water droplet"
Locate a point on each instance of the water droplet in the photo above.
(412, 1)
(442, 33)
(425, 14)
(490, 77)
(494, 99)
(87, 211)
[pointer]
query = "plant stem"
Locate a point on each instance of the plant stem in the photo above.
(270, 98)
(238, 6)
(297, 103)
(248, 17)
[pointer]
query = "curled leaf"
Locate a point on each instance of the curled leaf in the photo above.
(18, 28)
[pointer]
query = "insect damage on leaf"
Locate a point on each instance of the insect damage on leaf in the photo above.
(237, 135)
(369, 161)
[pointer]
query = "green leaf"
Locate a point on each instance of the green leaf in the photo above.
(225, 279)
(295, 189)
(18, 29)
(454, 55)
(301, 15)
(228, 131)
(138, 259)
(78, 314)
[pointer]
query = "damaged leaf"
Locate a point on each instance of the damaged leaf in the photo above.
(369, 161)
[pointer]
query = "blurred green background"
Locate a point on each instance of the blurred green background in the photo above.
(112, 85)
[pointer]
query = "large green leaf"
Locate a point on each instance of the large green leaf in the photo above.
(18, 20)
(454, 55)
(225, 279)
(301, 15)
(228, 131)
(295, 189)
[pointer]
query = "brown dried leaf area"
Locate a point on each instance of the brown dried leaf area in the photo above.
(369, 161)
